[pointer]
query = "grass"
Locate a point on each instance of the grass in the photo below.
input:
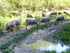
(65, 34)
(49, 52)
(55, 52)
(67, 27)
(23, 35)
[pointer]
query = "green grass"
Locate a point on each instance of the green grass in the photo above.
(65, 34)
(55, 52)
(24, 35)
(49, 52)
(67, 27)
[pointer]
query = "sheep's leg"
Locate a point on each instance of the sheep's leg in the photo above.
(34, 25)
(63, 21)
(26, 26)
(8, 30)
(18, 27)
(11, 29)
(37, 24)
(48, 24)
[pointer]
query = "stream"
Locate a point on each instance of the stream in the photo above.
(48, 46)
(42, 40)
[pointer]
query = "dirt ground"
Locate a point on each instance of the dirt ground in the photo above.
(9, 36)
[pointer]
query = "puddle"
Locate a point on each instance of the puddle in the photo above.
(47, 46)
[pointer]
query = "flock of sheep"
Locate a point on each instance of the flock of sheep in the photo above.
(32, 21)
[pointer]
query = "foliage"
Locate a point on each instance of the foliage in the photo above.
(12, 5)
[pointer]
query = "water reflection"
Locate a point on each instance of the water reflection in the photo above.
(47, 46)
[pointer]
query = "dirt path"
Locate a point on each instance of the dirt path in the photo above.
(45, 34)
(9, 36)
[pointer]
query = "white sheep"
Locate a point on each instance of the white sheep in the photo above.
(31, 21)
(12, 24)
(44, 19)
(59, 18)
(53, 13)
(17, 21)
(16, 13)
(29, 16)
(43, 15)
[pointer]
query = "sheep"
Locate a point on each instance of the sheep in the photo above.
(17, 21)
(36, 16)
(31, 21)
(45, 10)
(59, 18)
(29, 16)
(67, 12)
(16, 13)
(44, 19)
(59, 13)
(53, 13)
(12, 24)
(43, 15)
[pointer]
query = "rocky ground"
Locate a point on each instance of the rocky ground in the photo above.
(9, 36)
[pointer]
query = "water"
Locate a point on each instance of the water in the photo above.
(47, 46)
(58, 48)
